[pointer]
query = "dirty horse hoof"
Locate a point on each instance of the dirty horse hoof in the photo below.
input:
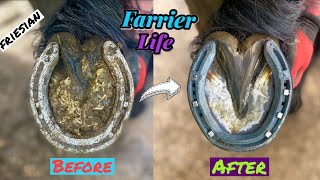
(81, 93)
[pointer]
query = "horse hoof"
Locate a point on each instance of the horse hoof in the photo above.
(81, 93)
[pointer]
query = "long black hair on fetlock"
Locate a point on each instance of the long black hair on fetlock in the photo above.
(85, 19)
(242, 18)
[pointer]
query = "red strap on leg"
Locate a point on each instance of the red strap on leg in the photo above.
(142, 75)
(312, 7)
(302, 59)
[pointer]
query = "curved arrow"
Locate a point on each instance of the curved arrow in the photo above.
(170, 88)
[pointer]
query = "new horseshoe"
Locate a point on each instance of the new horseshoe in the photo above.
(275, 117)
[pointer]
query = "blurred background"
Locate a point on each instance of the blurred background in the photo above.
(181, 151)
(24, 152)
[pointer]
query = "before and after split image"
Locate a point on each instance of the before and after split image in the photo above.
(153, 89)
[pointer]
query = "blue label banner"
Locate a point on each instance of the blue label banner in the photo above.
(82, 166)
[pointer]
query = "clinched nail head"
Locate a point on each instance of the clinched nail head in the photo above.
(280, 115)
(195, 104)
(211, 134)
(268, 134)
(286, 92)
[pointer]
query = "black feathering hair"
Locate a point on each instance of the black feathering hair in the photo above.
(242, 18)
(85, 19)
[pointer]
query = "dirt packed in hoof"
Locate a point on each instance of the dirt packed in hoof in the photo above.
(81, 88)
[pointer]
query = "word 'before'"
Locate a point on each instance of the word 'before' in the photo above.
(82, 166)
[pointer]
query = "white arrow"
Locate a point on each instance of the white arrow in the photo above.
(170, 88)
